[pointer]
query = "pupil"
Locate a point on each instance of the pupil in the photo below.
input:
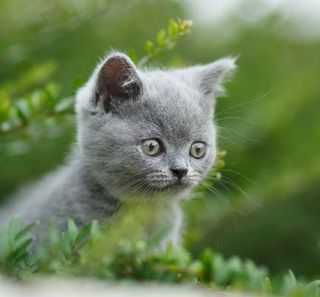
(198, 149)
(151, 147)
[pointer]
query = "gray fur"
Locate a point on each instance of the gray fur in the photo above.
(108, 165)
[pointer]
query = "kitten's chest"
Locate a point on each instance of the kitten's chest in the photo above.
(152, 218)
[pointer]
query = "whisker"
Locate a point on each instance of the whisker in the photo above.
(241, 175)
(232, 141)
(259, 97)
(223, 199)
(236, 118)
(231, 132)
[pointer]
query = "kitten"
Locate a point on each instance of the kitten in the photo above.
(141, 133)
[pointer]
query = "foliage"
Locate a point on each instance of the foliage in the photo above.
(214, 175)
(165, 40)
(83, 252)
(40, 103)
(17, 110)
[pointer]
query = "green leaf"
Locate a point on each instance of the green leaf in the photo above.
(84, 232)
(13, 229)
(26, 230)
(267, 285)
(22, 111)
(95, 230)
(207, 260)
(158, 235)
(64, 105)
(72, 229)
(313, 288)
(21, 249)
(173, 29)
(162, 38)
(149, 47)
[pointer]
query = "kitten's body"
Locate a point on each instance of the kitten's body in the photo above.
(70, 193)
(118, 109)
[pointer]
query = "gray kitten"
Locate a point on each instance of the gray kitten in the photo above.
(141, 133)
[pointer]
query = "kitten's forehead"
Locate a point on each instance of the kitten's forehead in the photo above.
(170, 106)
(167, 85)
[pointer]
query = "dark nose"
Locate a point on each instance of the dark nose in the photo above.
(179, 172)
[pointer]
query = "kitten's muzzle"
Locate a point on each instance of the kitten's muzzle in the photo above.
(179, 172)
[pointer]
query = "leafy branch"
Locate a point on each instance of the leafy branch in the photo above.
(83, 252)
(40, 103)
(166, 39)
(18, 111)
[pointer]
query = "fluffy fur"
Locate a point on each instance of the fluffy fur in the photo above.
(117, 109)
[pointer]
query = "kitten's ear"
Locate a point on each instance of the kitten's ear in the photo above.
(117, 82)
(210, 78)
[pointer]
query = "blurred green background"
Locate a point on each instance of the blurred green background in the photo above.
(267, 205)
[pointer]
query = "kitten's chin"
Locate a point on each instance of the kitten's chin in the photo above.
(167, 189)
(158, 192)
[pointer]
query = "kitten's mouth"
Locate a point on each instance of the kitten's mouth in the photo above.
(159, 188)
(173, 187)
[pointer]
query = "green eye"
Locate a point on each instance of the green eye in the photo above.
(198, 150)
(151, 147)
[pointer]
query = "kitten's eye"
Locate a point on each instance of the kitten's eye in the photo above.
(151, 147)
(198, 149)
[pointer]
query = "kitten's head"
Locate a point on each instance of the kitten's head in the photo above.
(145, 132)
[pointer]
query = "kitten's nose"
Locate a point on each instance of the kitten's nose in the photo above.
(179, 172)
